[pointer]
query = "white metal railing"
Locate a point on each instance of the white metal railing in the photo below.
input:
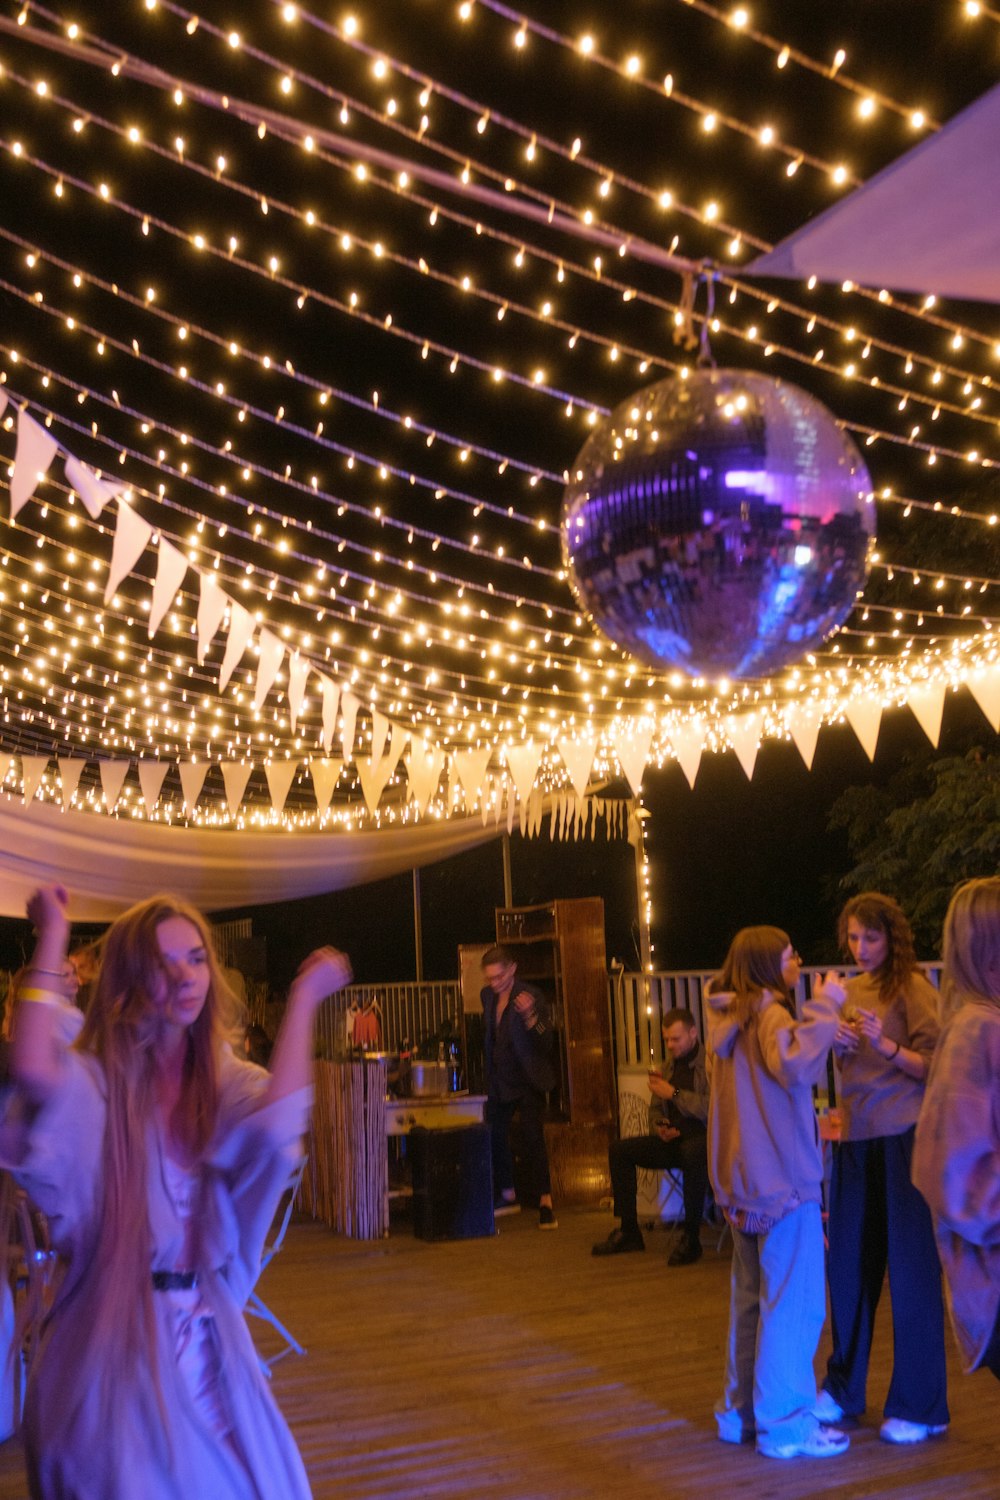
(406, 1011)
(638, 1001)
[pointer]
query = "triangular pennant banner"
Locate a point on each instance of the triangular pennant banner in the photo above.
(95, 492)
(470, 768)
(380, 734)
(70, 771)
(235, 775)
(280, 775)
(331, 700)
(373, 781)
(744, 733)
(423, 769)
(241, 628)
(927, 707)
(397, 744)
(192, 780)
(523, 762)
(578, 757)
(804, 726)
(132, 537)
(272, 651)
(298, 675)
(632, 749)
(325, 775)
(152, 774)
(688, 742)
(32, 771)
(865, 717)
(985, 688)
(113, 773)
(349, 706)
(35, 450)
(212, 603)
(171, 565)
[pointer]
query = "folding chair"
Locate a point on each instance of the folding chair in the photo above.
(712, 1217)
(256, 1306)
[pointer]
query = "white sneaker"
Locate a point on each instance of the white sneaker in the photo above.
(822, 1442)
(898, 1430)
(826, 1410)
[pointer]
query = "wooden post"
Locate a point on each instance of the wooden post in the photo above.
(418, 929)
(508, 887)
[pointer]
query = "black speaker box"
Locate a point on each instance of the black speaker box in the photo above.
(452, 1183)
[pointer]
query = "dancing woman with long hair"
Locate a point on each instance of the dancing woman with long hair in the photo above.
(767, 1172)
(956, 1159)
(877, 1218)
(159, 1160)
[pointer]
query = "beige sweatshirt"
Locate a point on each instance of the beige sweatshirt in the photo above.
(875, 1097)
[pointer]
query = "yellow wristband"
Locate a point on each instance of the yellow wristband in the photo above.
(31, 996)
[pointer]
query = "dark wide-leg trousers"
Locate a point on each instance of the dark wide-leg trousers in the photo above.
(878, 1219)
(688, 1156)
(534, 1156)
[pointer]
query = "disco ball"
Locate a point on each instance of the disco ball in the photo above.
(718, 524)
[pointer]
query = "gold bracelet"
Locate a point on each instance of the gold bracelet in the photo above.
(30, 996)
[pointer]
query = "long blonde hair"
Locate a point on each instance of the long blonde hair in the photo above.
(971, 946)
(125, 1030)
(753, 965)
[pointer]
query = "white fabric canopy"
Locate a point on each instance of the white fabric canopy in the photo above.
(929, 222)
(108, 863)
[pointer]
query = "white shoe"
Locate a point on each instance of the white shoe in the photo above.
(826, 1410)
(898, 1430)
(822, 1442)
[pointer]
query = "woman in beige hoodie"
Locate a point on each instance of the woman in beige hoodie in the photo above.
(766, 1169)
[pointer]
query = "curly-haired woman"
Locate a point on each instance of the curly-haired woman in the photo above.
(885, 1043)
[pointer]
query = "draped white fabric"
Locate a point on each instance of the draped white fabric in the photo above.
(107, 863)
(929, 222)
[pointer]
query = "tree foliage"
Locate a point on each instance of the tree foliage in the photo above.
(935, 823)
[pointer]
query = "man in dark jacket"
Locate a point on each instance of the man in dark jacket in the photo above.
(678, 1114)
(520, 1070)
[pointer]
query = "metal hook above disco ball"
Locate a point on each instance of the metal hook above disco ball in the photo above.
(718, 524)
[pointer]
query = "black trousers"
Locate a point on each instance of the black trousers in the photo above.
(500, 1113)
(878, 1219)
(689, 1155)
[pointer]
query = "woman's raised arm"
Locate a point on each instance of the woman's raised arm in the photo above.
(37, 1040)
(321, 974)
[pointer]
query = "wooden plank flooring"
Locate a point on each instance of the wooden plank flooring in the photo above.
(520, 1368)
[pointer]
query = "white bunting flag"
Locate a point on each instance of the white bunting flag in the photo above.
(523, 762)
(212, 602)
(32, 771)
(470, 768)
(397, 744)
(380, 735)
(373, 781)
(744, 733)
(280, 775)
(132, 537)
(424, 765)
(804, 722)
(113, 773)
(349, 706)
(985, 688)
(927, 707)
(241, 628)
(330, 693)
(35, 450)
(94, 491)
(865, 717)
(171, 565)
(3, 403)
(70, 771)
(152, 775)
(298, 675)
(632, 749)
(578, 757)
(271, 655)
(688, 742)
(325, 775)
(192, 780)
(235, 775)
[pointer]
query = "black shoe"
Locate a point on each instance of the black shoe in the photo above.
(620, 1242)
(547, 1217)
(687, 1252)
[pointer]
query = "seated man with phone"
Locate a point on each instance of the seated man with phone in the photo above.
(678, 1114)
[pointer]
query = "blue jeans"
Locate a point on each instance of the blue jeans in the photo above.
(776, 1314)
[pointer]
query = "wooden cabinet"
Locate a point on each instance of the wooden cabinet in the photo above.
(559, 948)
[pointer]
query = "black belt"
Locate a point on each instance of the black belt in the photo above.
(174, 1281)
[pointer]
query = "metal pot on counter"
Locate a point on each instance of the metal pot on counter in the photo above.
(429, 1078)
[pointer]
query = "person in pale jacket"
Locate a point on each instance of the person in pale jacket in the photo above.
(956, 1158)
(766, 1170)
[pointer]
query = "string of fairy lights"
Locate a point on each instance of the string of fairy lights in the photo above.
(496, 661)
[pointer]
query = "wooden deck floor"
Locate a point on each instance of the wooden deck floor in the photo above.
(522, 1368)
